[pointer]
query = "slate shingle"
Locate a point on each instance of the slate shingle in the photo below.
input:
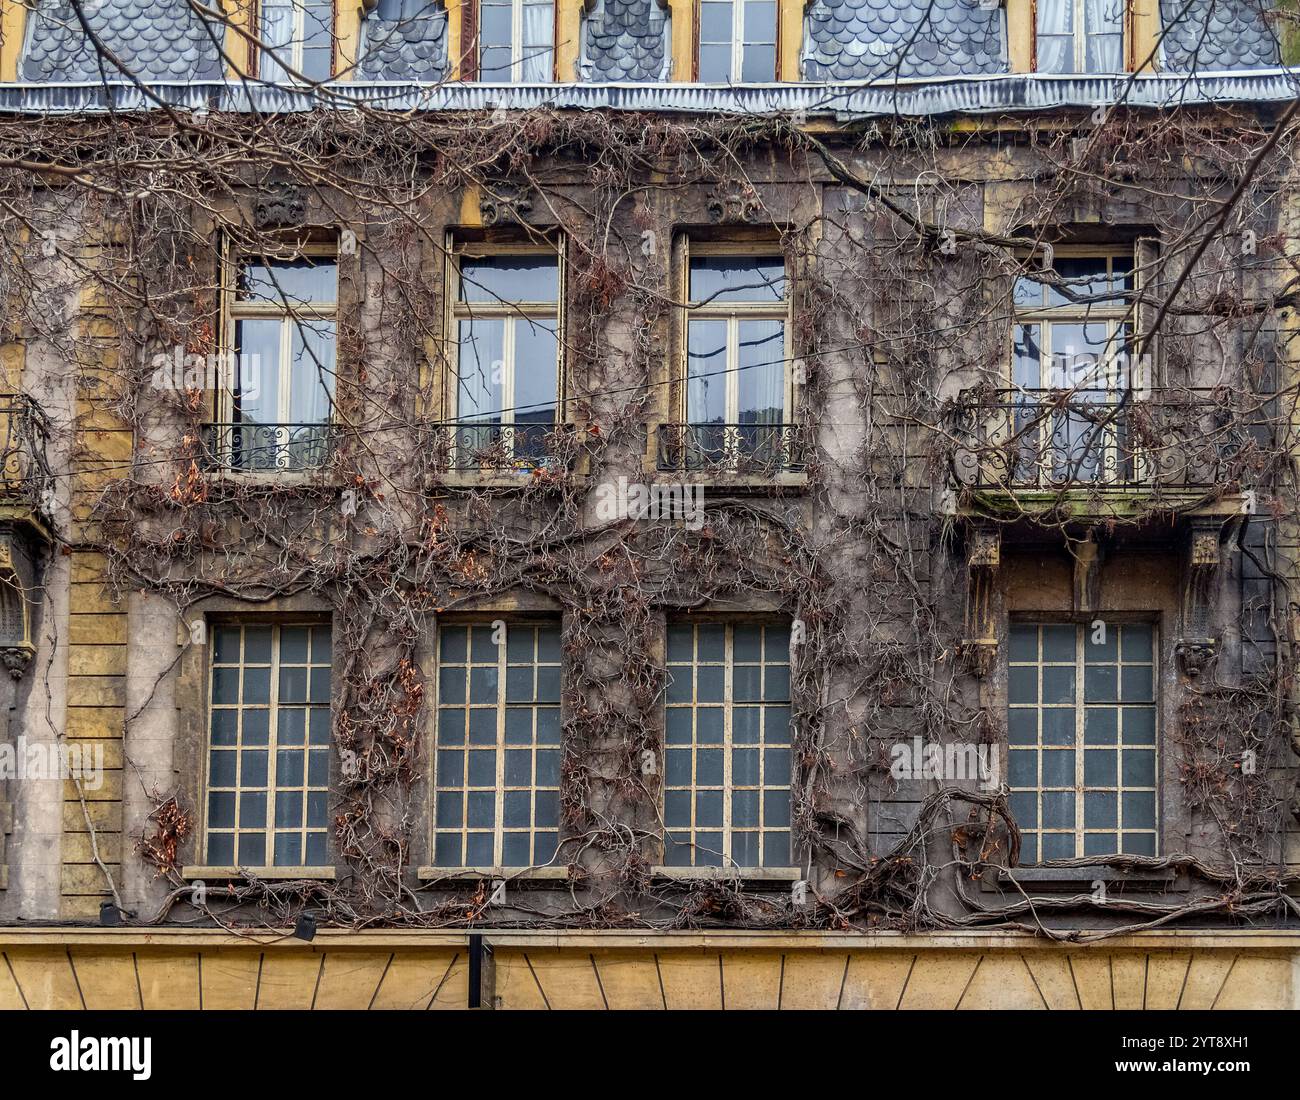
(625, 40)
(1214, 35)
(877, 39)
(162, 40)
(404, 40)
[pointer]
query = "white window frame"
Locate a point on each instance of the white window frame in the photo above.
(237, 310)
(728, 787)
(1079, 39)
(272, 744)
(500, 747)
(292, 56)
(1080, 744)
(518, 52)
(1110, 377)
(733, 312)
(738, 42)
(513, 313)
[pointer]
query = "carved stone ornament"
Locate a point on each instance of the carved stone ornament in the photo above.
(735, 202)
(16, 658)
(504, 202)
(1194, 655)
(279, 205)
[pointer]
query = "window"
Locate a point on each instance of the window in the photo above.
(281, 385)
(298, 36)
(516, 41)
(738, 392)
(727, 750)
(1077, 338)
(1080, 36)
(506, 390)
(1081, 733)
(269, 745)
(737, 41)
(497, 774)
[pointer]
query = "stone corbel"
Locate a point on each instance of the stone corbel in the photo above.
(1196, 646)
(1087, 576)
(979, 647)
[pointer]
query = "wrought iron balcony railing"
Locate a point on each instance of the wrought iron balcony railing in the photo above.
(465, 446)
(253, 448)
(1023, 440)
(24, 466)
(761, 450)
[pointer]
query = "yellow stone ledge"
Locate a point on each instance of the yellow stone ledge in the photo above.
(1253, 940)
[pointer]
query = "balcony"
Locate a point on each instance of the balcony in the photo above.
(267, 448)
(24, 433)
(1164, 447)
(749, 451)
(467, 447)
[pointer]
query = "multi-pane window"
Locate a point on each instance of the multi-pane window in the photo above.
(516, 41)
(505, 392)
(739, 390)
(269, 745)
(727, 746)
(1081, 733)
(737, 41)
(1075, 337)
(297, 38)
(497, 773)
(1080, 36)
(280, 385)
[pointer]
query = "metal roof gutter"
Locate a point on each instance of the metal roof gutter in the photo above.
(913, 98)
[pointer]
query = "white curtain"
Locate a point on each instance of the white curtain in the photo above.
(277, 36)
(538, 43)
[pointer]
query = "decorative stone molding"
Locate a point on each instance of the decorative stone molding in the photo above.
(279, 206)
(979, 647)
(504, 203)
(732, 203)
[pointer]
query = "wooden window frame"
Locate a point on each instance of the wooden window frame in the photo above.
(728, 786)
(272, 706)
(1080, 744)
(497, 868)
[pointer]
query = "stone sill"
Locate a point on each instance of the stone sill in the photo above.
(508, 874)
(1079, 879)
(780, 875)
(267, 873)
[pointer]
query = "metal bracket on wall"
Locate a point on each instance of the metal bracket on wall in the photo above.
(482, 973)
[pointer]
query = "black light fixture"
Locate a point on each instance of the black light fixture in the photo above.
(305, 929)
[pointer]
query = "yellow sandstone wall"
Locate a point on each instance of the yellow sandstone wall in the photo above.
(128, 968)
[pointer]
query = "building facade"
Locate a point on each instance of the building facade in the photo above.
(738, 503)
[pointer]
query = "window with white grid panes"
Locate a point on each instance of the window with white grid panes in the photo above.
(497, 773)
(269, 745)
(1081, 739)
(727, 746)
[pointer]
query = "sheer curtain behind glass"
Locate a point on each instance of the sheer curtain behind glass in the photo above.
(536, 62)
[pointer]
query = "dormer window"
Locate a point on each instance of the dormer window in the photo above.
(1079, 36)
(737, 41)
(297, 39)
(516, 41)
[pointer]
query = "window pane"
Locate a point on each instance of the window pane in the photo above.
(292, 282)
(509, 279)
(1063, 808)
(248, 737)
(715, 279)
(508, 782)
(725, 802)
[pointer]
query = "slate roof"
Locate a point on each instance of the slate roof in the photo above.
(404, 40)
(865, 39)
(154, 39)
(1216, 35)
(626, 40)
